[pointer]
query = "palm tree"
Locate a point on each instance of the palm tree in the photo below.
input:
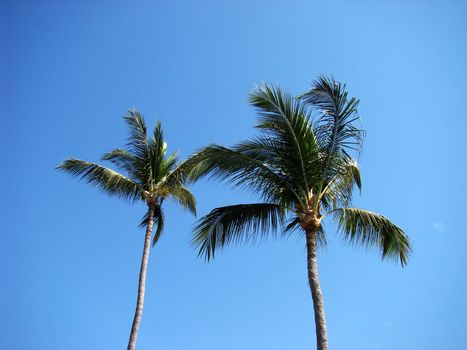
(151, 176)
(302, 167)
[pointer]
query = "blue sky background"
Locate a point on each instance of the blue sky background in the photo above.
(70, 256)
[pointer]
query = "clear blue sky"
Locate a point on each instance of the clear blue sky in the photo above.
(69, 256)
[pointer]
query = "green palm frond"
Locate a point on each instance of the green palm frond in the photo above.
(160, 146)
(158, 222)
(179, 173)
(292, 224)
(139, 146)
(122, 159)
(242, 170)
(106, 179)
(138, 143)
(167, 166)
(286, 120)
(338, 191)
(184, 197)
(274, 154)
(157, 151)
(367, 228)
(334, 129)
(235, 223)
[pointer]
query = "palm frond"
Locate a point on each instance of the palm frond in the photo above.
(292, 225)
(276, 156)
(241, 169)
(184, 197)
(286, 120)
(235, 223)
(166, 166)
(158, 222)
(138, 143)
(367, 228)
(122, 159)
(334, 129)
(108, 180)
(338, 191)
(179, 172)
(157, 151)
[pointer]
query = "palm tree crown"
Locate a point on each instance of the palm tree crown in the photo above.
(302, 168)
(146, 172)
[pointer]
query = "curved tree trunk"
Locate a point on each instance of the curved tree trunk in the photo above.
(142, 281)
(313, 279)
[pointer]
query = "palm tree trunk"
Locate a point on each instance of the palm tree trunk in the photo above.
(313, 279)
(142, 280)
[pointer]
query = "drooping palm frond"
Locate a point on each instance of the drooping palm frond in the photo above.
(334, 129)
(292, 224)
(184, 197)
(370, 229)
(159, 221)
(108, 180)
(235, 223)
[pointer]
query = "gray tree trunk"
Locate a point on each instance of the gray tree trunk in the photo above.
(142, 280)
(313, 279)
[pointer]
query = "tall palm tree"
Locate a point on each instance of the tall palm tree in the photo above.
(302, 167)
(149, 175)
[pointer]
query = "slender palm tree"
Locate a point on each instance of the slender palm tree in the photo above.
(302, 167)
(148, 175)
